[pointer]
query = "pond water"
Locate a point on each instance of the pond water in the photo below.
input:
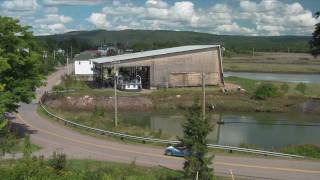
(294, 78)
(262, 129)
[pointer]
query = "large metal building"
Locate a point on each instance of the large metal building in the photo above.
(170, 67)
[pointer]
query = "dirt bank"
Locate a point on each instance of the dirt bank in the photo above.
(107, 102)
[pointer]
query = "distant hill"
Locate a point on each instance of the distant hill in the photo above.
(155, 39)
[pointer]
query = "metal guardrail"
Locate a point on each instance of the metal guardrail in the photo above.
(164, 141)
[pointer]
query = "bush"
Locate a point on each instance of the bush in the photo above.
(58, 88)
(284, 88)
(98, 111)
(301, 87)
(266, 90)
(58, 161)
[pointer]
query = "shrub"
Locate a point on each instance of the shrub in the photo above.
(284, 88)
(266, 90)
(301, 87)
(98, 111)
(58, 161)
(58, 88)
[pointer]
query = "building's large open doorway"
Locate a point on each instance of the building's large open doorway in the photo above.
(130, 73)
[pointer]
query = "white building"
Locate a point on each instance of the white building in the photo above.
(83, 65)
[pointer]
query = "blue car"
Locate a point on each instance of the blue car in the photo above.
(175, 151)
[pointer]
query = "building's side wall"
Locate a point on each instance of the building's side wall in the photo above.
(182, 69)
(83, 68)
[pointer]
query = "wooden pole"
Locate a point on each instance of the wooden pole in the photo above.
(204, 96)
(115, 98)
(197, 175)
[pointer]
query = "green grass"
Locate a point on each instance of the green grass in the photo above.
(83, 169)
(307, 150)
(251, 85)
(248, 84)
(18, 147)
(271, 68)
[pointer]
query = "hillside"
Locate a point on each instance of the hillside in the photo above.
(154, 39)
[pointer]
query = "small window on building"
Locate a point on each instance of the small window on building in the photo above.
(79, 62)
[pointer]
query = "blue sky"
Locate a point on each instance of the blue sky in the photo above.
(240, 17)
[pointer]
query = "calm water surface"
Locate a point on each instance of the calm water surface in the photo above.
(262, 129)
(295, 78)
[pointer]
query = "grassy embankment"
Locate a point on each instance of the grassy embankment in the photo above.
(273, 63)
(59, 167)
(81, 169)
(307, 150)
(167, 99)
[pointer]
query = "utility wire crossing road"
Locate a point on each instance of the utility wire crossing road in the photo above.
(52, 136)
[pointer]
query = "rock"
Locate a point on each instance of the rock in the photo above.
(178, 96)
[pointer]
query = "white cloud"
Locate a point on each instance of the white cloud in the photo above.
(156, 4)
(56, 27)
(183, 10)
(71, 2)
(54, 18)
(277, 18)
(20, 5)
(99, 20)
(51, 10)
(51, 23)
(245, 17)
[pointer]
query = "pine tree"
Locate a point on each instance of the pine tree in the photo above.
(196, 129)
(315, 41)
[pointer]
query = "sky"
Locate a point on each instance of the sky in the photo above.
(227, 17)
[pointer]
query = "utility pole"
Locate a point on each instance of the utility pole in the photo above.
(115, 97)
(204, 96)
(71, 53)
(67, 61)
(54, 55)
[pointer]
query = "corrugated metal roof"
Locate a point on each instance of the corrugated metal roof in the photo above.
(143, 54)
(85, 55)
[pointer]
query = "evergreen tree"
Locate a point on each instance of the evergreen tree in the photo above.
(196, 129)
(315, 42)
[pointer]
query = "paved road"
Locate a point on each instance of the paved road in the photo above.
(53, 136)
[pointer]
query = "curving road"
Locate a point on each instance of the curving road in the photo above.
(53, 136)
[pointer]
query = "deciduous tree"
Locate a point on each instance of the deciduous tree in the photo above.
(19, 66)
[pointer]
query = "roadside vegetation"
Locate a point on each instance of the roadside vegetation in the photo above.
(307, 150)
(59, 167)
